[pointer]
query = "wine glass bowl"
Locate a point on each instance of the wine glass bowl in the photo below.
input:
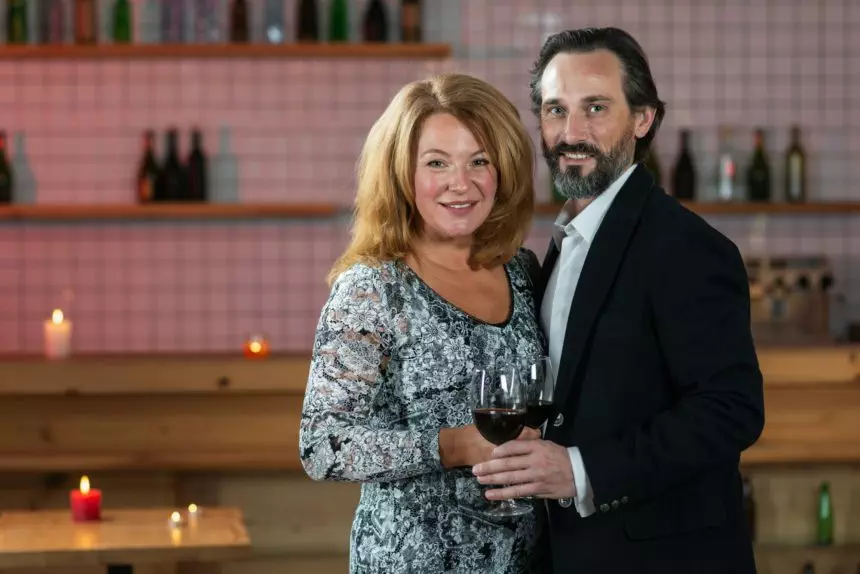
(540, 392)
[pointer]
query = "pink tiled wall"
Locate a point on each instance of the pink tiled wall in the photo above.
(290, 131)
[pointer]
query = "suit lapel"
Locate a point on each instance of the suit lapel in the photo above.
(598, 273)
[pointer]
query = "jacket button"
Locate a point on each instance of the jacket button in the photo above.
(615, 504)
(623, 500)
(565, 502)
(559, 420)
(604, 507)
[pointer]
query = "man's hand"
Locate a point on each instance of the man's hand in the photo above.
(531, 467)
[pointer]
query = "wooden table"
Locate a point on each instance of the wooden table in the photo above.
(124, 537)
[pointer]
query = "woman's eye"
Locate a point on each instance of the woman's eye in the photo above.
(435, 163)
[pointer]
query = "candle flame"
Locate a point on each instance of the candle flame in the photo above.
(175, 518)
(192, 508)
(57, 316)
(85, 484)
(255, 346)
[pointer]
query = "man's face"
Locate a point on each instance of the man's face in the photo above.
(588, 131)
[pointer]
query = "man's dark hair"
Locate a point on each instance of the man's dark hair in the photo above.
(639, 87)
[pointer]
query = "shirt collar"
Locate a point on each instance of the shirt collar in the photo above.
(586, 223)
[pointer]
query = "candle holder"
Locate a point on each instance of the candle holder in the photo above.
(256, 347)
(58, 336)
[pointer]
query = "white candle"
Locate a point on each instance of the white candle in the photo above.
(58, 336)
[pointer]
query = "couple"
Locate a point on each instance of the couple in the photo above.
(642, 307)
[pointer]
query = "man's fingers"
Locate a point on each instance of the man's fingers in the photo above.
(508, 478)
(515, 491)
(500, 465)
(515, 448)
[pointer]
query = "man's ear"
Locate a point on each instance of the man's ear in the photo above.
(643, 118)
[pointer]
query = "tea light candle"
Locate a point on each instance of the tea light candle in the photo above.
(58, 336)
(193, 510)
(86, 503)
(175, 520)
(256, 347)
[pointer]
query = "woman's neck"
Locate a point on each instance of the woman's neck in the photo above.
(451, 255)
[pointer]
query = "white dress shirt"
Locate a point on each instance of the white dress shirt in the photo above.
(573, 237)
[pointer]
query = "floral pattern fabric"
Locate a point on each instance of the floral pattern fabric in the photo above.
(391, 367)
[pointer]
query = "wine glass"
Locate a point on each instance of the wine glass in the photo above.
(499, 412)
(541, 388)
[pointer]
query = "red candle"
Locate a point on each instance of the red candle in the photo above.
(256, 347)
(86, 504)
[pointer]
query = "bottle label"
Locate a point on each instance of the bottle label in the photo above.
(794, 177)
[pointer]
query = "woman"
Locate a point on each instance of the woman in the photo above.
(433, 285)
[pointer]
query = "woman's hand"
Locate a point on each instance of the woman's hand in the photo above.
(464, 446)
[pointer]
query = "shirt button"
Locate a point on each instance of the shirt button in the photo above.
(624, 500)
(559, 420)
(615, 504)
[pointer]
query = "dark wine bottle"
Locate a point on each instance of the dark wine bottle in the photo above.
(808, 568)
(825, 516)
(52, 21)
(410, 21)
(122, 20)
(684, 172)
(16, 22)
(85, 21)
(758, 172)
(308, 30)
(376, 22)
(173, 21)
(171, 184)
(338, 21)
(7, 181)
(239, 21)
(795, 169)
(198, 182)
(147, 170)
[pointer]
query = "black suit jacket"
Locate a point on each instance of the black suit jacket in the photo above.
(659, 386)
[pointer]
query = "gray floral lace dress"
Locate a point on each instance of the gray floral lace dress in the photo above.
(390, 368)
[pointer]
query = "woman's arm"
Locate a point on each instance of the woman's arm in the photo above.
(351, 348)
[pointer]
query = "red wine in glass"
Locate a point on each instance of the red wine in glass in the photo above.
(499, 412)
(540, 391)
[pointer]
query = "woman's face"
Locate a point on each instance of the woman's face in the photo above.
(455, 184)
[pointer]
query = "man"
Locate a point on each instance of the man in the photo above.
(646, 307)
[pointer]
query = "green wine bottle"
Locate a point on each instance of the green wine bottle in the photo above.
(122, 22)
(825, 515)
(338, 23)
(16, 22)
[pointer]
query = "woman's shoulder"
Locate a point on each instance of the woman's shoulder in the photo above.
(367, 275)
(527, 264)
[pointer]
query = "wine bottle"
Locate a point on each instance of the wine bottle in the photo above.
(86, 22)
(122, 18)
(308, 19)
(16, 22)
(7, 181)
(207, 22)
(52, 21)
(338, 21)
(725, 180)
(749, 507)
(171, 181)
(410, 21)
(795, 169)
(825, 515)
(173, 21)
(652, 163)
(198, 183)
(376, 22)
(758, 172)
(147, 170)
(684, 172)
(274, 21)
(239, 21)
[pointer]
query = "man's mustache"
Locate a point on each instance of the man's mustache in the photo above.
(583, 148)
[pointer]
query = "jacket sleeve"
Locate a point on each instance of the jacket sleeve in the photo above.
(338, 439)
(699, 294)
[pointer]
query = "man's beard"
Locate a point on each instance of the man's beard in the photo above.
(608, 166)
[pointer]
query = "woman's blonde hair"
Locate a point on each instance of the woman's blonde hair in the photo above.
(385, 219)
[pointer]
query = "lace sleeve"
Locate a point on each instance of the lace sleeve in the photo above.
(352, 345)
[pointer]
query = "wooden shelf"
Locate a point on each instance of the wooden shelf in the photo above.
(169, 211)
(225, 51)
(744, 208)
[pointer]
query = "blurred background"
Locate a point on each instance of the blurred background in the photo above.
(201, 252)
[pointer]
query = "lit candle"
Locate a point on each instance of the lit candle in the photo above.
(86, 503)
(193, 510)
(256, 347)
(175, 520)
(58, 336)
